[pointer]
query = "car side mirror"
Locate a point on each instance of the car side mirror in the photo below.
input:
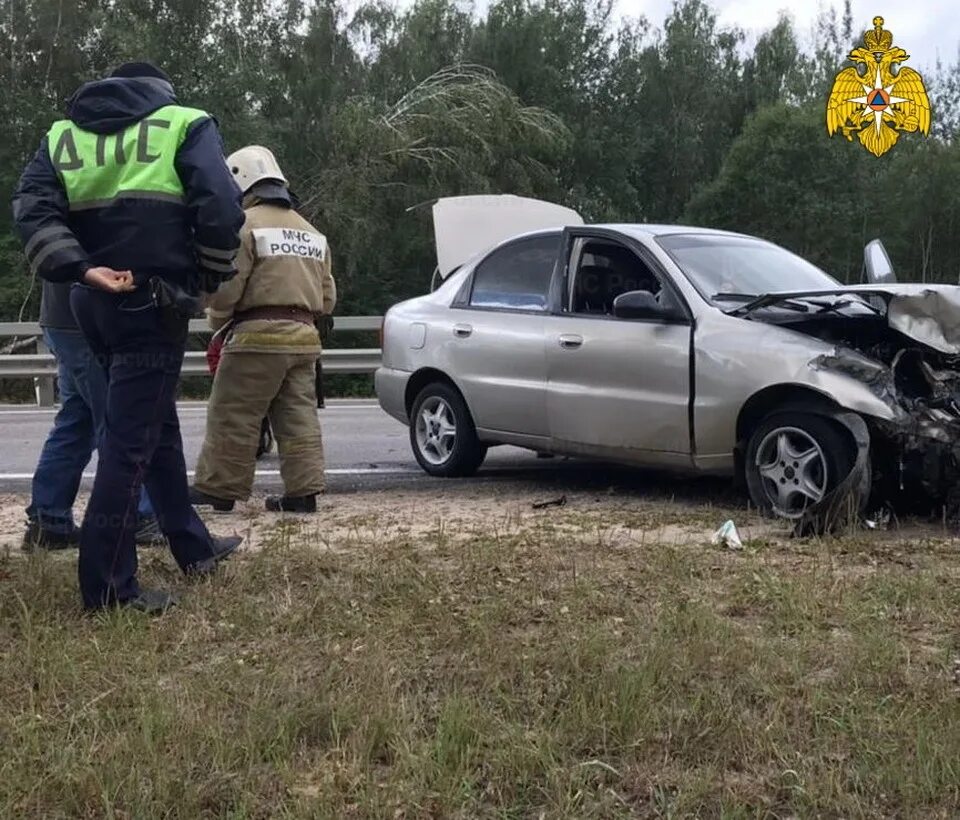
(877, 265)
(642, 304)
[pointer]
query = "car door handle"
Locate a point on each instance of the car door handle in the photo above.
(570, 341)
(462, 331)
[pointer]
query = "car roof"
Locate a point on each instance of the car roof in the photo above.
(635, 228)
(639, 230)
(666, 230)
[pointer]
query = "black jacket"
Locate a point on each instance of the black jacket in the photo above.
(177, 241)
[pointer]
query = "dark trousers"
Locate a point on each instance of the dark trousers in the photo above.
(82, 384)
(143, 353)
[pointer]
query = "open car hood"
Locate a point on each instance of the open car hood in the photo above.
(929, 314)
(466, 225)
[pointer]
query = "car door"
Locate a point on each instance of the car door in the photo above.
(497, 347)
(616, 387)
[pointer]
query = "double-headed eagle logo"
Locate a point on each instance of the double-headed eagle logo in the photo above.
(878, 98)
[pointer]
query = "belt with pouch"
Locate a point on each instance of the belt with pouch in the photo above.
(173, 298)
(176, 306)
(275, 313)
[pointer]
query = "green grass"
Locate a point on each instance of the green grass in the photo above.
(529, 672)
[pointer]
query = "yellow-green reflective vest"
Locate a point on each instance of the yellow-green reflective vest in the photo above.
(137, 162)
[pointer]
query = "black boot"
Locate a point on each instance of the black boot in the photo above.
(200, 499)
(223, 548)
(151, 602)
(294, 504)
(37, 537)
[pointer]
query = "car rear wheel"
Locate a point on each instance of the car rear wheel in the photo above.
(794, 459)
(442, 434)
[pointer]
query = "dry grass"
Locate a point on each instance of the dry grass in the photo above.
(573, 663)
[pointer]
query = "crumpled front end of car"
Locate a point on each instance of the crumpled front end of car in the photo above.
(912, 366)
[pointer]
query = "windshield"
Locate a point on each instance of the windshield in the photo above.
(733, 266)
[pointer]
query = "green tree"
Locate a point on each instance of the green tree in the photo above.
(774, 73)
(785, 181)
(459, 131)
(374, 109)
(557, 54)
(683, 95)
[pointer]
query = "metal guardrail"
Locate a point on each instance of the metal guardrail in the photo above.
(42, 367)
(351, 324)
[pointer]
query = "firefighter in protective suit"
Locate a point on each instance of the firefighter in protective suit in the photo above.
(267, 317)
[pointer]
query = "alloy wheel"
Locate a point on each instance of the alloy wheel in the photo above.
(436, 431)
(793, 470)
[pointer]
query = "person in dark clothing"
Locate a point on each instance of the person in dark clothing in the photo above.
(82, 383)
(130, 199)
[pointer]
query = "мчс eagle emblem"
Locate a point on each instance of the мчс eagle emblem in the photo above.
(878, 97)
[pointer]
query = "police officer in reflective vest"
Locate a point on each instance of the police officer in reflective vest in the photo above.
(284, 285)
(130, 199)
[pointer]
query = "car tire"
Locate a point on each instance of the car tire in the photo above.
(793, 459)
(442, 434)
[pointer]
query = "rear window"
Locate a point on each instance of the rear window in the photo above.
(516, 277)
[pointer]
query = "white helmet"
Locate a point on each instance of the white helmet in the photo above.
(254, 164)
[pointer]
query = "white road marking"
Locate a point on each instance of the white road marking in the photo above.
(38, 411)
(182, 410)
(267, 473)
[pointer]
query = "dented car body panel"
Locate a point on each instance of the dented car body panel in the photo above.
(930, 315)
(562, 370)
(739, 360)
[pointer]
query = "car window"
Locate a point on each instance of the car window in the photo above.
(604, 271)
(721, 266)
(517, 276)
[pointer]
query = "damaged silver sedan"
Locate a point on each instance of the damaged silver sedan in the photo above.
(677, 347)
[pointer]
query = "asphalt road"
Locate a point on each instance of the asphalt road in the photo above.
(366, 450)
(361, 442)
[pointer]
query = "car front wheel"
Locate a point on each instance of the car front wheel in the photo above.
(442, 434)
(794, 459)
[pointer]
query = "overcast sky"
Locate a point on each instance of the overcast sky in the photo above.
(925, 28)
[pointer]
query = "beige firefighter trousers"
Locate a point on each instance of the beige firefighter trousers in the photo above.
(247, 387)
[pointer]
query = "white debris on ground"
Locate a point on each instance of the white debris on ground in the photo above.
(456, 514)
(728, 536)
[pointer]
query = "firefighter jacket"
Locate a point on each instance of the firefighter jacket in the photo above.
(283, 262)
